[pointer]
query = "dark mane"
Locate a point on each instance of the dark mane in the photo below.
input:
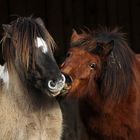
(117, 73)
(21, 39)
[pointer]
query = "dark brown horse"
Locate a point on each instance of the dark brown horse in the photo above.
(29, 80)
(106, 80)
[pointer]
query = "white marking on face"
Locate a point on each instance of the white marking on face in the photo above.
(40, 43)
(4, 75)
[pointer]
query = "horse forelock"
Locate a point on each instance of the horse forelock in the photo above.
(22, 41)
(117, 71)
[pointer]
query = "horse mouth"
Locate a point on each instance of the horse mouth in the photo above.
(68, 85)
(65, 90)
(61, 92)
(54, 94)
(55, 88)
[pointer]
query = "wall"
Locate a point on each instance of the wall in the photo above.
(61, 16)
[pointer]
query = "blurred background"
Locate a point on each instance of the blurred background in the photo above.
(61, 16)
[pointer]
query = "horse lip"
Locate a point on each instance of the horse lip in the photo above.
(65, 90)
(54, 94)
(68, 84)
(56, 90)
(51, 94)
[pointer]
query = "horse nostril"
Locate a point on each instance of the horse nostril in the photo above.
(68, 79)
(57, 84)
(52, 83)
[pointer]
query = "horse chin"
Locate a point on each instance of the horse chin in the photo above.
(74, 89)
(54, 94)
(69, 89)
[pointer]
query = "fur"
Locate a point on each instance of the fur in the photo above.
(108, 93)
(27, 109)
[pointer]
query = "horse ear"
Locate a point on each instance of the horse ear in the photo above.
(40, 21)
(7, 28)
(104, 49)
(75, 36)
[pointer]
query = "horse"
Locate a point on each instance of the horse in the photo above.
(104, 75)
(30, 79)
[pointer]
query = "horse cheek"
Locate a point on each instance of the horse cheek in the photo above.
(85, 74)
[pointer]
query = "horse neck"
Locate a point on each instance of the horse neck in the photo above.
(91, 95)
(23, 95)
(136, 70)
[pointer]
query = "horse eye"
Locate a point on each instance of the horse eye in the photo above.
(68, 54)
(93, 66)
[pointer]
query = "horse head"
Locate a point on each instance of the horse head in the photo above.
(28, 49)
(84, 62)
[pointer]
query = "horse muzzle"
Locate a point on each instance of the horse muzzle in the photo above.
(55, 87)
(67, 86)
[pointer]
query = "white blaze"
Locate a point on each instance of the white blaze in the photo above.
(40, 43)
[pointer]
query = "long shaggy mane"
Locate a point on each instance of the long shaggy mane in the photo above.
(117, 71)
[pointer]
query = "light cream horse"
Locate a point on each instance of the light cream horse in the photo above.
(30, 78)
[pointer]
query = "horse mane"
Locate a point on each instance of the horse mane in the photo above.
(23, 32)
(117, 71)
